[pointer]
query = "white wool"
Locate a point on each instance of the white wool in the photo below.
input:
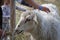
(48, 22)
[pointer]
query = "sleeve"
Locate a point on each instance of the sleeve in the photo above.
(21, 9)
(24, 3)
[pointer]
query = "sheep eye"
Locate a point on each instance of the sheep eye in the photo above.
(27, 20)
(18, 25)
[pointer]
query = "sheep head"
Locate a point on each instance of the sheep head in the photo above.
(28, 21)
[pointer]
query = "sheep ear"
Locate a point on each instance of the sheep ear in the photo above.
(21, 21)
(35, 19)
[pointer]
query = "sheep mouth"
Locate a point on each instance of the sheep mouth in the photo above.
(19, 32)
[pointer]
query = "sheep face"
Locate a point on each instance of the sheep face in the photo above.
(28, 22)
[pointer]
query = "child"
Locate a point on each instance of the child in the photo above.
(6, 15)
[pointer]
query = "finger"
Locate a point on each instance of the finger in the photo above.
(48, 10)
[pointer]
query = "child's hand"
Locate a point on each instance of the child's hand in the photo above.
(44, 9)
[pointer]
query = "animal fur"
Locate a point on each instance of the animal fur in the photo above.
(42, 25)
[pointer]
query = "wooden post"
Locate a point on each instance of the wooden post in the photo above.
(12, 21)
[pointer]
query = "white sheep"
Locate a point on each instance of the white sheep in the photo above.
(42, 25)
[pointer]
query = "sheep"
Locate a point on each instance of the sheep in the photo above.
(41, 25)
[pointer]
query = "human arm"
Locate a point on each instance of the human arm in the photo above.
(36, 6)
(20, 9)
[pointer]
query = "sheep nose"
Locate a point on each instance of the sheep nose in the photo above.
(19, 31)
